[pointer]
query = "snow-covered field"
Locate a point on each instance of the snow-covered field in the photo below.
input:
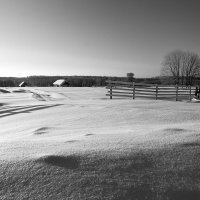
(47, 125)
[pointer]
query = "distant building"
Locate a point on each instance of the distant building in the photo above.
(61, 83)
(23, 84)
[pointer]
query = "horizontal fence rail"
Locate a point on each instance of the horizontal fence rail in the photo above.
(153, 91)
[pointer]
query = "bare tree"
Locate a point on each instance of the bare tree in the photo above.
(172, 65)
(191, 66)
(184, 67)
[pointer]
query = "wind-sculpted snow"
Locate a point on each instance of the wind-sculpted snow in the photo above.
(41, 130)
(75, 143)
(14, 110)
(37, 94)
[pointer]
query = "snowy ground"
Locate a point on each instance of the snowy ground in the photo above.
(40, 123)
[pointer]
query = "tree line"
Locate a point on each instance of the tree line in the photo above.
(74, 81)
(47, 81)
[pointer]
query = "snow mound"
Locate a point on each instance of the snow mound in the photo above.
(194, 100)
(38, 97)
(19, 91)
(4, 91)
(68, 162)
(41, 130)
(89, 134)
(174, 131)
(41, 95)
(191, 144)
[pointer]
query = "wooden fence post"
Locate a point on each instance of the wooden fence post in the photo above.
(176, 92)
(156, 91)
(133, 90)
(190, 93)
(110, 91)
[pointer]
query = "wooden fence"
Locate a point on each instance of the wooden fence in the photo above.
(153, 91)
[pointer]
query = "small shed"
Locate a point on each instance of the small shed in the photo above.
(61, 83)
(23, 84)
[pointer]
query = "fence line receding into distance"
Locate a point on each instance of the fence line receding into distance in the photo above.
(153, 91)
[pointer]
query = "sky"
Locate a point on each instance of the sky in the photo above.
(94, 37)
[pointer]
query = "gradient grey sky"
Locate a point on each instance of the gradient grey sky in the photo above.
(94, 37)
